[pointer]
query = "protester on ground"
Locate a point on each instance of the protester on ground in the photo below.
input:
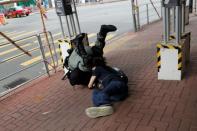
(108, 88)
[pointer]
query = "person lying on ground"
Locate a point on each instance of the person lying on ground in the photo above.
(109, 88)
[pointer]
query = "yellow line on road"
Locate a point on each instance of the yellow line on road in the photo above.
(19, 55)
(54, 35)
(13, 32)
(35, 41)
(38, 58)
(14, 49)
(22, 34)
(56, 41)
(91, 35)
(2, 39)
(31, 61)
(20, 40)
(50, 68)
(57, 34)
(110, 36)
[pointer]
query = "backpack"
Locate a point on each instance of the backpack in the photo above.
(120, 74)
(116, 73)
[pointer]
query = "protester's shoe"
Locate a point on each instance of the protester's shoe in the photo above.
(107, 28)
(94, 112)
(103, 33)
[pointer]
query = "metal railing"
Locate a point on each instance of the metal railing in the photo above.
(144, 14)
(194, 6)
(37, 44)
(42, 49)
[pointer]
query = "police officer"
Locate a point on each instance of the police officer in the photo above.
(81, 56)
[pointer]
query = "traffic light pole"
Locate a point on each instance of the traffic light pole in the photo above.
(67, 9)
(62, 28)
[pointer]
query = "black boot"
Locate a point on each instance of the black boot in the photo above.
(100, 44)
(105, 29)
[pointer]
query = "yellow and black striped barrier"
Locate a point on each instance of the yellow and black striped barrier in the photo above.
(60, 42)
(173, 47)
(67, 43)
(172, 37)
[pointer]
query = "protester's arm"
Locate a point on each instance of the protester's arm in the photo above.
(95, 74)
(91, 82)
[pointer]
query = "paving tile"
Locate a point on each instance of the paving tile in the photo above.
(122, 127)
(145, 128)
(185, 125)
(193, 128)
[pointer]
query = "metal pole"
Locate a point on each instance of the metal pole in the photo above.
(74, 27)
(13, 42)
(195, 6)
(54, 47)
(63, 35)
(180, 19)
(137, 13)
(133, 15)
(167, 23)
(46, 35)
(136, 2)
(183, 18)
(43, 55)
(164, 25)
(68, 26)
(177, 25)
(180, 22)
(77, 20)
(138, 18)
(190, 6)
(147, 14)
(155, 8)
(76, 15)
(161, 9)
(173, 19)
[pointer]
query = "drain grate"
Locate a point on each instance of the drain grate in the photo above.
(15, 83)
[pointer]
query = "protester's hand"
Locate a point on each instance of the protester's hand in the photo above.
(90, 87)
(91, 82)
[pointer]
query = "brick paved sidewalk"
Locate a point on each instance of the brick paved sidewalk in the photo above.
(50, 104)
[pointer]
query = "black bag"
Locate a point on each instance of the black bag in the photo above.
(116, 73)
(120, 74)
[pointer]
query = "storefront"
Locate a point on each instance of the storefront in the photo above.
(10, 3)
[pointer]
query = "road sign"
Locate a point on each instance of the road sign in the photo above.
(63, 7)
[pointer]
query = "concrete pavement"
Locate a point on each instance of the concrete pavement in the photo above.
(50, 104)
